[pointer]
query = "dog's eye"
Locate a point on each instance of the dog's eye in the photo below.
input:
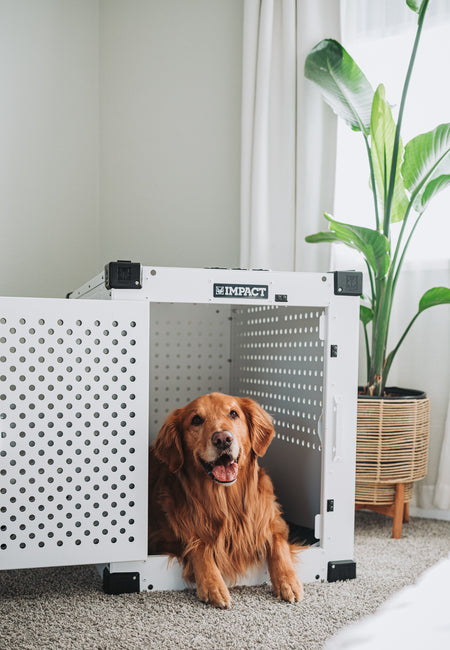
(197, 420)
(233, 415)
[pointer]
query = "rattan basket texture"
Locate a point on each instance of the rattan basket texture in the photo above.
(380, 494)
(391, 447)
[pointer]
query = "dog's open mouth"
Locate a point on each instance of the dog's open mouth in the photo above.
(224, 470)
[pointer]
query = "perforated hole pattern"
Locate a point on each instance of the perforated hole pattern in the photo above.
(189, 356)
(68, 432)
(278, 359)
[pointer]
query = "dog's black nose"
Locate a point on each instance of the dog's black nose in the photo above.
(222, 439)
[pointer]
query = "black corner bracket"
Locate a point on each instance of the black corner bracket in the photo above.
(123, 274)
(120, 583)
(341, 570)
(348, 283)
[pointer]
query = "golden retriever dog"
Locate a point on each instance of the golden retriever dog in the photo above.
(211, 505)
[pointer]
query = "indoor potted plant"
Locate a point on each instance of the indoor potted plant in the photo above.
(403, 180)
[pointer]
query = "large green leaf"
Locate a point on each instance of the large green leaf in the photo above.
(433, 297)
(343, 85)
(382, 135)
(372, 244)
(426, 165)
(433, 187)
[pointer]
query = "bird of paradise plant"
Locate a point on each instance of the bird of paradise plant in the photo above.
(403, 180)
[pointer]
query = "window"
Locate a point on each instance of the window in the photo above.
(384, 59)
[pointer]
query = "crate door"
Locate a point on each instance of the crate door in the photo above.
(73, 431)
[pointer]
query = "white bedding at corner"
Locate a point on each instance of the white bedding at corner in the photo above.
(417, 618)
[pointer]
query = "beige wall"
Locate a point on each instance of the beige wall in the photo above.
(49, 220)
(119, 137)
(170, 131)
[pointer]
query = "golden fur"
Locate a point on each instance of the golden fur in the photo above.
(210, 503)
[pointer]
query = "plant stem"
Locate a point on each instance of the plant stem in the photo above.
(388, 204)
(378, 374)
(372, 181)
(366, 339)
(372, 289)
(392, 354)
(400, 237)
(405, 247)
(380, 367)
(380, 332)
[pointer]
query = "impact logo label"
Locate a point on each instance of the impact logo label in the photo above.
(251, 291)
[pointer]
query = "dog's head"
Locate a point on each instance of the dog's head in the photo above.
(216, 434)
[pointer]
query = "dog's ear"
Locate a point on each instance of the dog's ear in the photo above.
(168, 446)
(259, 424)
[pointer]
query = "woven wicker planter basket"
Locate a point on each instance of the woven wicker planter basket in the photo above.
(391, 447)
(382, 494)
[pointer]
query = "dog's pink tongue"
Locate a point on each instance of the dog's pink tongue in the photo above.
(226, 473)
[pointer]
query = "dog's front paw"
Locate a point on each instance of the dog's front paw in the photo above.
(288, 587)
(214, 592)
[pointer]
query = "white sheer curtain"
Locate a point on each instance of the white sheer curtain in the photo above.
(423, 362)
(442, 491)
(379, 36)
(288, 135)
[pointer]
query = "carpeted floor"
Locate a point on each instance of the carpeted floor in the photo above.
(65, 608)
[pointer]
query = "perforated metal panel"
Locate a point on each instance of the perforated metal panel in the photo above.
(189, 356)
(278, 359)
(73, 427)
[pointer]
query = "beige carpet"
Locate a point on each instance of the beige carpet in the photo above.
(65, 608)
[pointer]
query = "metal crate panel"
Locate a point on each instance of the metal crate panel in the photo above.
(73, 427)
(278, 359)
(189, 356)
(189, 285)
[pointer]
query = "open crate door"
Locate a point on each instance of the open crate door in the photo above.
(73, 431)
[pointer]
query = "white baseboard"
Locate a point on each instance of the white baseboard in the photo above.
(423, 503)
(414, 511)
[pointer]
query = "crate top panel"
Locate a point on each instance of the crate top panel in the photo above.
(221, 286)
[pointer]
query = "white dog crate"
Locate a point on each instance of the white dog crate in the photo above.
(84, 385)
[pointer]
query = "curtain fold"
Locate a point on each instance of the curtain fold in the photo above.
(288, 135)
(423, 362)
(268, 132)
(442, 490)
